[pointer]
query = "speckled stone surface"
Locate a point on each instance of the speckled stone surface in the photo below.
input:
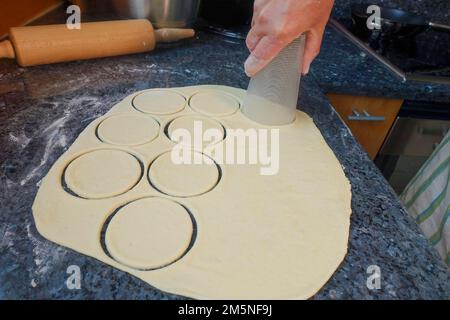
(43, 109)
(437, 10)
(342, 67)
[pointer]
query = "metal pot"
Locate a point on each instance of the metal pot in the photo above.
(162, 13)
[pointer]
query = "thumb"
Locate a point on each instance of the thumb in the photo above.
(312, 49)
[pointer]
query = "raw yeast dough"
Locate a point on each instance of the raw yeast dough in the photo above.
(217, 230)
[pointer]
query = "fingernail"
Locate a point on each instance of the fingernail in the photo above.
(306, 70)
(251, 65)
(251, 42)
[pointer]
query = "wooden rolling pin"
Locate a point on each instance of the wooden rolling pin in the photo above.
(56, 43)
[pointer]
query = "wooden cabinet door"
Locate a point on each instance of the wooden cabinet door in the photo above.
(15, 13)
(368, 118)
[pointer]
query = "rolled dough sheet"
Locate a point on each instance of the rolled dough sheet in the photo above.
(248, 236)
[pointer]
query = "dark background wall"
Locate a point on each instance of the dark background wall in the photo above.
(435, 10)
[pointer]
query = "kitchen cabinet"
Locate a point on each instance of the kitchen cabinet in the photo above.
(16, 13)
(368, 118)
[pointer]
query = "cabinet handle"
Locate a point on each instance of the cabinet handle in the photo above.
(365, 116)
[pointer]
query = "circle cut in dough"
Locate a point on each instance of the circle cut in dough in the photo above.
(184, 180)
(214, 103)
(160, 102)
(128, 130)
(196, 126)
(149, 233)
(102, 174)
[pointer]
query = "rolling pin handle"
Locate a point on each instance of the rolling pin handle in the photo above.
(173, 34)
(7, 50)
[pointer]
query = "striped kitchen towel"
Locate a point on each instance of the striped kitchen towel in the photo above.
(427, 198)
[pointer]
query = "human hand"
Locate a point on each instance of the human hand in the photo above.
(276, 23)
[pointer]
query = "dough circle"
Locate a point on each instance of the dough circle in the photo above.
(149, 233)
(214, 103)
(128, 130)
(160, 102)
(102, 173)
(184, 180)
(189, 123)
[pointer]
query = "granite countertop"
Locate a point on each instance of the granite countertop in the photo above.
(344, 68)
(44, 108)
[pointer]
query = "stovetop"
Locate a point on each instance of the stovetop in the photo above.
(423, 57)
(230, 31)
(427, 53)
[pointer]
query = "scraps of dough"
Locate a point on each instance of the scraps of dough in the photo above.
(214, 231)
